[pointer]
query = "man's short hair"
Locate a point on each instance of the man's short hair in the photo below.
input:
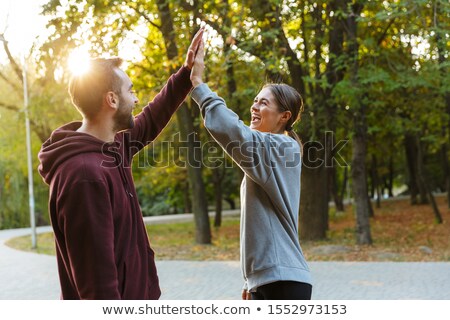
(87, 90)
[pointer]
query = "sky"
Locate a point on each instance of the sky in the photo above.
(21, 23)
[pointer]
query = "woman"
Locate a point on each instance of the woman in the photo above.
(269, 153)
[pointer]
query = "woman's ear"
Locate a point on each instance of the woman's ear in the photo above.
(286, 115)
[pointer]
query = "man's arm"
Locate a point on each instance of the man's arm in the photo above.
(155, 116)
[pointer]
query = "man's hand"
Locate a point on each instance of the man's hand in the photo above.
(199, 65)
(193, 48)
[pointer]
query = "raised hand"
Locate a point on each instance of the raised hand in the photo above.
(198, 66)
(193, 48)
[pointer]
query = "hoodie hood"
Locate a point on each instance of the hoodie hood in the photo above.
(65, 143)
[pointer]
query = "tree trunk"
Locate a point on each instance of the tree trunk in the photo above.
(371, 185)
(335, 74)
(370, 207)
(376, 181)
(194, 168)
(186, 125)
(217, 178)
(219, 173)
(315, 177)
(344, 186)
(390, 184)
(187, 198)
(363, 235)
(338, 200)
(314, 195)
(360, 190)
(415, 187)
(445, 170)
(379, 196)
(411, 160)
(424, 182)
(231, 203)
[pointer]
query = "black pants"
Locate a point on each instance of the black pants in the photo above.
(283, 290)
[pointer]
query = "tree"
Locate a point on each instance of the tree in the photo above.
(13, 187)
(441, 10)
(359, 140)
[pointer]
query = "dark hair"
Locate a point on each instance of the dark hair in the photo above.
(288, 99)
(87, 89)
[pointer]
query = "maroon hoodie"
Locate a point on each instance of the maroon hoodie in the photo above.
(102, 247)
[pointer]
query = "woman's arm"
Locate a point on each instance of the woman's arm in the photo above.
(255, 152)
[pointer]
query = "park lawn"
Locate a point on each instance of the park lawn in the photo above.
(400, 233)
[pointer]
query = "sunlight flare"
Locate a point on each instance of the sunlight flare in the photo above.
(79, 61)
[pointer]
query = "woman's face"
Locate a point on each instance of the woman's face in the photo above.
(265, 116)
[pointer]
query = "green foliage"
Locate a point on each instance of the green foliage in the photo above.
(403, 78)
(14, 208)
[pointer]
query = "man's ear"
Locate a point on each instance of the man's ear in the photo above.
(112, 100)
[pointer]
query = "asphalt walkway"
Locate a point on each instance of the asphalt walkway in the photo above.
(30, 276)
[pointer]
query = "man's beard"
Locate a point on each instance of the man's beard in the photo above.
(123, 119)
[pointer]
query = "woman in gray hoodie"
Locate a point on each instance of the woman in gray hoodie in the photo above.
(269, 153)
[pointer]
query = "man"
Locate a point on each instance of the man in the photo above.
(102, 247)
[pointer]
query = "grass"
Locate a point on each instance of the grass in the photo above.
(400, 232)
(177, 242)
(45, 241)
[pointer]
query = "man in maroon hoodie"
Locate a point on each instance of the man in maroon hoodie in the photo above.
(102, 247)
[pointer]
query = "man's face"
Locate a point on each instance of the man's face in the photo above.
(123, 118)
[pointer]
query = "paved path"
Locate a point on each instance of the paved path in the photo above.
(33, 276)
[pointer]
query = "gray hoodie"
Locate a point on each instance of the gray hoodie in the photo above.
(270, 194)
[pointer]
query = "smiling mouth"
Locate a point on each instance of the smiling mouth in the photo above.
(255, 118)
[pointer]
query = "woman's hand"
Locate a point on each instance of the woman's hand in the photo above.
(193, 48)
(198, 66)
